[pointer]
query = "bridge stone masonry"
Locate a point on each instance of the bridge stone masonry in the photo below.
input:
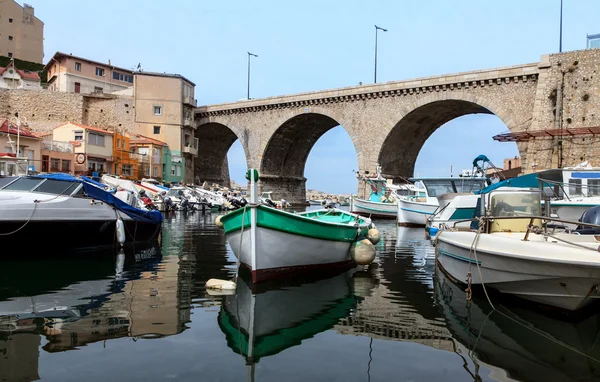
(389, 122)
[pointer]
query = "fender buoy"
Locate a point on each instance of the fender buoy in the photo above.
(362, 252)
(218, 222)
(120, 227)
(374, 236)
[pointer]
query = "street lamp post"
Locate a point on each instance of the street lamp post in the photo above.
(560, 32)
(376, 30)
(249, 54)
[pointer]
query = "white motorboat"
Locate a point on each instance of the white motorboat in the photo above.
(36, 210)
(515, 254)
(413, 210)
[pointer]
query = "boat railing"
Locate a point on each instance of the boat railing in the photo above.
(561, 185)
(531, 227)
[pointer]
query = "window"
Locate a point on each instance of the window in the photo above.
(54, 164)
(10, 20)
(78, 66)
(575, 187)
(123, 144)
(155, 171)
(96, 139)
(57, 187)
(10, 38)
(173, 170)
(9, 54)
(157, 110)
(8, 149)
(178, 170)
(187, 141)
(79, 135)
(127, 170)
(156, 129)
(23, 184)
(116, 76)
(77, 87)
(118, 143)
(129, 79)
(99, 72)
(98, 89)
(66, 165)
(593, 187)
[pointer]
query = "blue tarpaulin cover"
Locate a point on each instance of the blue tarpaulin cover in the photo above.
(96, 192)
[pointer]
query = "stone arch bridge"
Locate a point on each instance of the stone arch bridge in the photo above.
(389, 122)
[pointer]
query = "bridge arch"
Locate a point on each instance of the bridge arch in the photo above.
(286, 152)
(214, 141)
(399, 151)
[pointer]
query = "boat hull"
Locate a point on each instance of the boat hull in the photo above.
(414, 214)
(546, 272)
(373, 209)
(280, 253)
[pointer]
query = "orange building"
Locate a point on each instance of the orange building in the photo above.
(125, 165)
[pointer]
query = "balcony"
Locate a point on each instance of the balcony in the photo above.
(140, 158)
(190, 101)
(189, 122)
(59, 146)
(190, 150)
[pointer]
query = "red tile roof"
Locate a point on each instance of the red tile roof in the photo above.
(141, 139)
(87, 128)
(25, 74)
(11, 128)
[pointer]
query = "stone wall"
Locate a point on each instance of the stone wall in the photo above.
(579, 72)
(43, 110)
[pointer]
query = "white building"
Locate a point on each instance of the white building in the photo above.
(13, 78)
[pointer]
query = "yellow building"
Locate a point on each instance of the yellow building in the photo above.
(21, 33)
(72, 74)
(92, 147)
(149, 154)
(29, 146)
(164, 110)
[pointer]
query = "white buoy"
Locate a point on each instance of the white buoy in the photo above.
(362, 252)
(220, 284)
(218, 222)
(373, 235)
(120, 227)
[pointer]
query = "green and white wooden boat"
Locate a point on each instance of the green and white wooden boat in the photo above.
(274, 243)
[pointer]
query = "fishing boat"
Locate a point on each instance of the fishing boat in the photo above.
(272, 243)
(261, 323)
(383, 198)
(512, 250)
(36, 210)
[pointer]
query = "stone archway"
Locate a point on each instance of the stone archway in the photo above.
(402, 145)
(284, 157)
(214, 141)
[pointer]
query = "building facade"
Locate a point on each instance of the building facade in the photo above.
(124, 164)
(164, 105)
(149, 154)
(72, 74)
(13, 78)
(21, 33)
(29, 146)
(92, 147)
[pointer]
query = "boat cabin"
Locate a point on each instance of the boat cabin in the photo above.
(503, 202)
(46, 186)
(571, 183)
(11, 165)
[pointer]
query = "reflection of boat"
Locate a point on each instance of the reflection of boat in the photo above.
(259, 325)
(528, 345)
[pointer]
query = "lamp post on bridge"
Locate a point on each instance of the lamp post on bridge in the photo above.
(376, 30)
(249, 55)
(560, 32)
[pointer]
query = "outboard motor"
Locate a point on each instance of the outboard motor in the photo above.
(270, 203)
(185, 204)
(591, 216)
(168, 204)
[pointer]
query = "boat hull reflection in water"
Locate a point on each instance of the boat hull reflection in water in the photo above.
(528, 345)
(265, 323)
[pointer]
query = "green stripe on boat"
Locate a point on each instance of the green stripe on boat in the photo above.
(334, 225)
(457, 257)
(462, 213)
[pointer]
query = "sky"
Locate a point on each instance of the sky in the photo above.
(312, 45)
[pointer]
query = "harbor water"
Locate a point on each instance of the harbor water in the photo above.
(144, 315)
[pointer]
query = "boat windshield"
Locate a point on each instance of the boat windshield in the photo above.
(437, 187)
(516, 204)
(46, 186)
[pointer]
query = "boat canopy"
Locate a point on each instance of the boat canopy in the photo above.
(523, 181)
(96, 192)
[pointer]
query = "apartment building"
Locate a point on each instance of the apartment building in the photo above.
(21, 33)
(72, 74)
(164, 110)
(92, 147)
(150, 154)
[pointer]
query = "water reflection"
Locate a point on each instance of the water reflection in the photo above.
(527, 345)
(133, 294)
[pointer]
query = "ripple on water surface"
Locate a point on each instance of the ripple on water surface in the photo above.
(145, 315)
